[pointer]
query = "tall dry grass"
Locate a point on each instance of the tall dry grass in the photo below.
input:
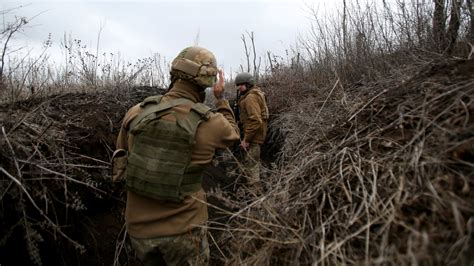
(376, 158)
(373, 123)
(27, 74)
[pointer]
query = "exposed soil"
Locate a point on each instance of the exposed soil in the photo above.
(72, 134)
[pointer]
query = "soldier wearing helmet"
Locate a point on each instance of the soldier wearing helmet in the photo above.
(254, 119)
(163, 144)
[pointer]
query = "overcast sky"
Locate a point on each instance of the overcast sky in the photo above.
(137, 29)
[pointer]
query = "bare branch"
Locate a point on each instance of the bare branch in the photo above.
(247, 52)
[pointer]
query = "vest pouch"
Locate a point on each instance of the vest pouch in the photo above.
(159, 164)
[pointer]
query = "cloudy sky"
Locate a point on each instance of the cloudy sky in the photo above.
(137, 29)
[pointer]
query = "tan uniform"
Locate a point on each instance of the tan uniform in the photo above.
(254, 118)
(254, 115)
(148, 218)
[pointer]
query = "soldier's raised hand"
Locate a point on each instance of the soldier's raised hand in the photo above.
(218, 88)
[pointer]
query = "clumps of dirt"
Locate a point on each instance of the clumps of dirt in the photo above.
(55, 181)
(380, 172)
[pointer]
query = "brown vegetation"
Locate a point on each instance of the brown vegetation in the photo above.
(369, 160)
(379, 173)
(57, 195)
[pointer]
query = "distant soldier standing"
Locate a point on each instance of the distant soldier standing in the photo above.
(254, 120)
(162, 147)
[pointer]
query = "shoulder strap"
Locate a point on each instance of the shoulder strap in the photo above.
(199, 112)
(152, 99)
(156, 107)
(203, 110)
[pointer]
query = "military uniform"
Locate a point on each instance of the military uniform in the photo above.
(168, 230)
(254, 119)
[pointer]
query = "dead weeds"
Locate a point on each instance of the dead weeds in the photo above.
(380, 173)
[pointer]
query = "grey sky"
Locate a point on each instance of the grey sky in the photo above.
(138, 29)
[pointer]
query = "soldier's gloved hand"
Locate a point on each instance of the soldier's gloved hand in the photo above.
(218, 88)
(244, 145)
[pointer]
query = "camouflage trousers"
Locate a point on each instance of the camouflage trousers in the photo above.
(251, 164)
(190, 248)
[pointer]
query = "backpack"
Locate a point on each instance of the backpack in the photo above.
(159, 163)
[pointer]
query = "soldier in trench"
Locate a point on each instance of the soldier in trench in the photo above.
(253, 112)
(163, 145)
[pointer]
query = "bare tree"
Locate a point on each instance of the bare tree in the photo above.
(454, 24)
(344, 27)
(270, 60)
(445, 38)
(250, 48)
(197, 38)
(439, 24)
(256, 66)
(471, 17)
(5, 37)
(247, 53)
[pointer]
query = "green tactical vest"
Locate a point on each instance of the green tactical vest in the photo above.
(159, 163)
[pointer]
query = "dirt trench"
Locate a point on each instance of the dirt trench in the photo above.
(62, 133)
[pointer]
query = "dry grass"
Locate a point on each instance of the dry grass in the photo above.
(374, 174)
(54, 174)
(373, 128)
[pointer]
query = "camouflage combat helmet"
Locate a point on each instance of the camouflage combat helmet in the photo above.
(244, 78)
(197, 65)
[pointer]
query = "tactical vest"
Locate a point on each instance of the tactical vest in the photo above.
(159, 164)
